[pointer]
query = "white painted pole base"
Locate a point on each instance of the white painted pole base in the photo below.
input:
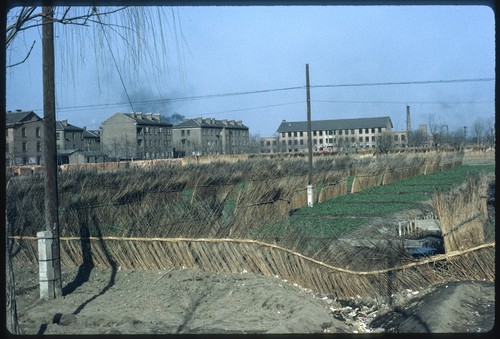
(309, 195)
(46, 269)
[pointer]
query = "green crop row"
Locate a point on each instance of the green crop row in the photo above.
(331, 218)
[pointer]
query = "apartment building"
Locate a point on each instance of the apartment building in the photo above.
(202, 136)
(136, 136)
(329, 135)
(68, 136)
(268, 144)
(24, 138)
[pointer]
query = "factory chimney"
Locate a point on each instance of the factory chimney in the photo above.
(408, 121)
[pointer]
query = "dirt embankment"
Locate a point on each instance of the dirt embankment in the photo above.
(105, 301)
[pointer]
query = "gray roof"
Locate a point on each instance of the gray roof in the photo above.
(337, 124)
(210, 123)
(143, 119)
(13, 118)
(64, 126)
(90, 134)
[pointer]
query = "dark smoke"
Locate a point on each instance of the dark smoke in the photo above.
(147, 102)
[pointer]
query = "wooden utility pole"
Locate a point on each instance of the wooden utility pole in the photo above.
(50, 155)
(309, 142)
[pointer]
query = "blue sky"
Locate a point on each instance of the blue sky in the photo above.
(219, 50)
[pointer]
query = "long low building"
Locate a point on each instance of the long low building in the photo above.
(334, 134)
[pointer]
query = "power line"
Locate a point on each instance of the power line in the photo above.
(406, 83)
(247, 109)
(220, 95)
(403, 102)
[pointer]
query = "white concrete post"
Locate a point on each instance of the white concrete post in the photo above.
(46, 269)
(310, 195)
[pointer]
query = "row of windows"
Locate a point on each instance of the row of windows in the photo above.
(332, 132)
(38, 132)
(156, 143)
(24, 146)
(329, 140)
(212, 132)
(155, 130)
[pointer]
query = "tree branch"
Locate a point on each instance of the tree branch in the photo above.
(27, 55)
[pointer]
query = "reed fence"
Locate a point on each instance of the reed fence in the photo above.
(243, 255)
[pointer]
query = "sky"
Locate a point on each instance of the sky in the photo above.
(248, 63)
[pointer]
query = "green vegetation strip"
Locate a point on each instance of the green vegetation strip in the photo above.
(331, 218)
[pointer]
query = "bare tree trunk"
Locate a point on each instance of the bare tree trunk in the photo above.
(10, 284)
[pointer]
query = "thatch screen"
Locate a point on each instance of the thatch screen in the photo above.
(462, 214)
(239, 255)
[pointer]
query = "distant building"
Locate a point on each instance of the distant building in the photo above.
(91, 140)
(268, 144)
(400, 139)
(24, 138)
(136, 136)
(202, 136)
(68, 136)
(330, 135)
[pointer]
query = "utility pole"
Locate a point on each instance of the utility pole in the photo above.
(309, 142)
(50, 156)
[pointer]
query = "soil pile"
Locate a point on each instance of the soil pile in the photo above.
(105, 301)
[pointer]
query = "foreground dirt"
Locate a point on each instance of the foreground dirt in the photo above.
(191, 301)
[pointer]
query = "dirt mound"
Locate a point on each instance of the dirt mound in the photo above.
(105, 301)
(456, 307)
(176, 301)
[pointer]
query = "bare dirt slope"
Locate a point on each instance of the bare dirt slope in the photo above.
(191, 301)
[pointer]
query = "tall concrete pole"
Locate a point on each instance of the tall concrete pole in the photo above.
(50, 155)
(309, 141)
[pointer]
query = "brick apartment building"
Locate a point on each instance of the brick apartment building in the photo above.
(24, 138)
(203, 136)
(136, 136)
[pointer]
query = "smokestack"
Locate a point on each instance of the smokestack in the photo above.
(408, 121)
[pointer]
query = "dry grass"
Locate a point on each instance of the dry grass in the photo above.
(463, 213)
(213, 216)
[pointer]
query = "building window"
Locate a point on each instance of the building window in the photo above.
(289, 142)
(302, 141)
(395, 137)
(25, 146)
(320, 132)
(183, 133)
(403, 137)
(352, 131)
(38, 146)
(282, 134)
(366, 130)
(360, 131)
(360, 139)
(380, 129)
(37, 132)
(373, 130)
(23, 132)
(321, 140)
(340, 132)
(373, 139)
(290, 134)
(367, 139)
(188, 132)
(301, 134)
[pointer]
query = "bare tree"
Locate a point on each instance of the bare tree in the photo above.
(479, 130)
(417, 138)
(385, 142)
